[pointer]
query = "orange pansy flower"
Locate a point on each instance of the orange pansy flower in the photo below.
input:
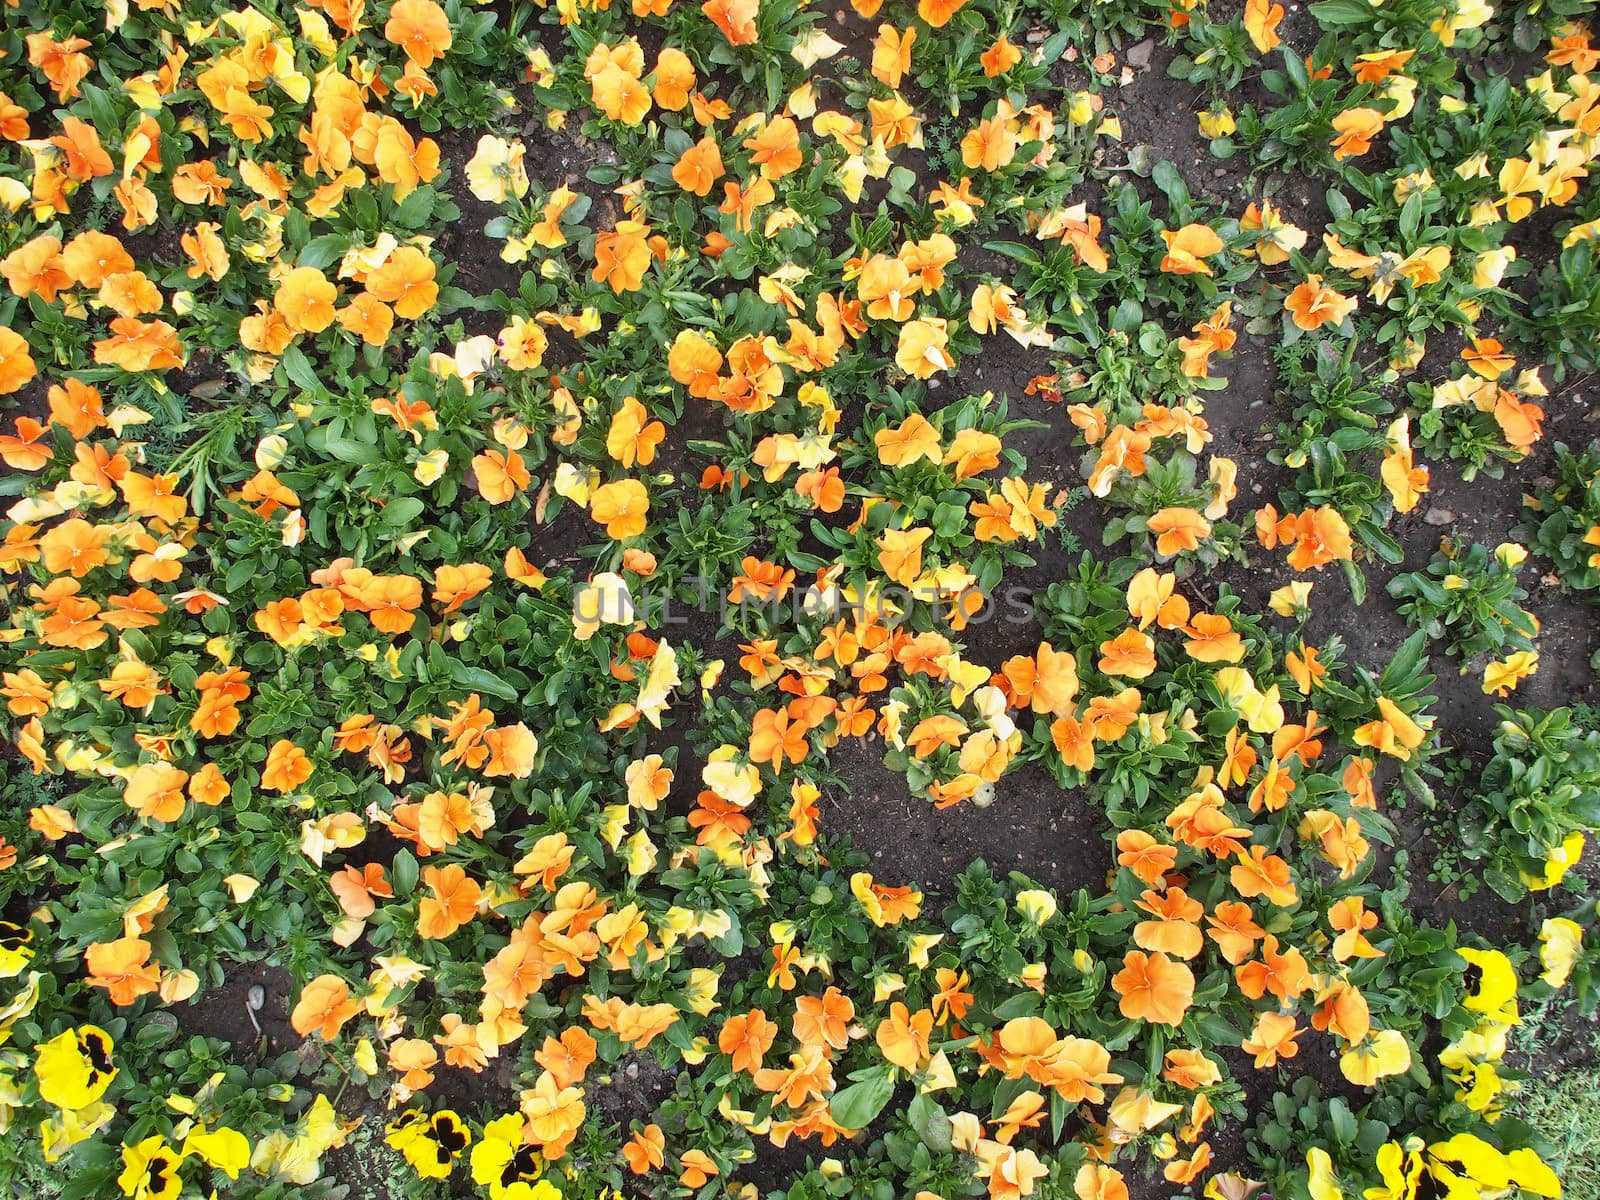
(123, 968)
(1153, 988)
(420, 28)
(324, 1006)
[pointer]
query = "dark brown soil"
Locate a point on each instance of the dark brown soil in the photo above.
(223, 1013)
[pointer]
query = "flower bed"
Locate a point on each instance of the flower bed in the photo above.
(741, 599)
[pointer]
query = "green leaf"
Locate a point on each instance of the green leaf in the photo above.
(1356, 580)
(1505, 886)
(405, 873)
(1166, 177)
(479, 680)
(1342, 1120)
(399, 514)
(415, 209)
(1026, 255)
(930, 1122)
(1332, 14)
(856, 1106)
(1405, 664)
(298, 368)
(1296, 67)
(351, 451)
(324, 251)
(1411, 216)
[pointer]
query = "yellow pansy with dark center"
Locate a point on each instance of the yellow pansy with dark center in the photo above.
(15, 949)
(504, 1162)
(431, 1144)
(163, 1172)
(95, 1043)
(150, 1170)
(450, 1134)
(75, 1067)
(525, 1166)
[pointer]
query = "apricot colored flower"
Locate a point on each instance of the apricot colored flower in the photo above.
(699, 167)
(903, 1037)
(614, 81)
(623, 507)
(287, 767)
(1175, 927)
(123, 968)
(1187, 248)
(16, 364)
(500, 474)
(913, 440)
(891, 54)
(883, 904)
(921, 349)
(305, 300)
(568, 1058)
(554, 1115)
(1154, 988)
(622, 256)
(1211, 639)
(1178, 530)
(1096, 1181)
(1321, 537)
(405, 281)
(1141, 853)
(1000, 57)
(324, 1006)
(452, 901)
(645, 1151)
(1272, 1039)
(937, 13)
(1393, 732)
(1407, 482)
(155, 791)
(746, 1038)
(1350, 919)
(1258, 873)
(1131, 654)
(632, 437)
(900, 554)
(776, 148)
(992, 143)
(735, 18)
(420, 28)
(675, 79)
(1354, 130)
(63, 63)
(1261, 21)
(1313, 304)
(695, 362)
(1284, 975)
(73, 547)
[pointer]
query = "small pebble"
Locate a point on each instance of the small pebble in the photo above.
(1439, 516)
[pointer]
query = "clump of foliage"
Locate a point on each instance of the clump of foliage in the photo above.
(1563, 520)
(1528, 814)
